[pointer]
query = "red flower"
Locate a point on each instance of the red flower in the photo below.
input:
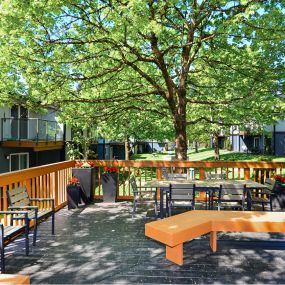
(73, 181)
(111, 169)
(279, 178)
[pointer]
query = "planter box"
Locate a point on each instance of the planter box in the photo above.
(279, 196)
(86, 177)
(109, 185)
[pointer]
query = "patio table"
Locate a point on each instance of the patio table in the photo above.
(209, 186)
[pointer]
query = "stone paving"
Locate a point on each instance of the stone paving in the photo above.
(102, 243)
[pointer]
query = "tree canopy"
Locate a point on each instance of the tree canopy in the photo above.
(186, 62)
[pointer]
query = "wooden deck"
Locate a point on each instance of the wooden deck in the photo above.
(103, 244)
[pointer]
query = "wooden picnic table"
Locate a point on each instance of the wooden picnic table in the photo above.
(201, 186)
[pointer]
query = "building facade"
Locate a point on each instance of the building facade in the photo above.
(271, 141)
(30, 139)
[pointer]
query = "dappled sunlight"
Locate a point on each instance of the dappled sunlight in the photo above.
(103, 243)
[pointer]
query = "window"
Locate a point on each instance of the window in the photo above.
(19, 161)
(256, 142)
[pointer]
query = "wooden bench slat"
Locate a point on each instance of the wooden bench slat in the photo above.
(16, 191)
(12, 230)
(20, 197)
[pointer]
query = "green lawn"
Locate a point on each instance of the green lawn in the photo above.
(208, 154)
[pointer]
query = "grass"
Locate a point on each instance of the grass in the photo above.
(208, 154)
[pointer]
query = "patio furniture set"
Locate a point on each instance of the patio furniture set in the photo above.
(215, 194)
(220, 194)
(22, 212)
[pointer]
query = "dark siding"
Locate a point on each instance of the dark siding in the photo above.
(279, 143)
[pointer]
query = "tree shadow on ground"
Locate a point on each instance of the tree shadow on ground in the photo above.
(102, 243)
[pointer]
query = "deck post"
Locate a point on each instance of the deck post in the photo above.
(247, 174)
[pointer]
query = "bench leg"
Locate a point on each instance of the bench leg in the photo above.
(213, 241)
(175, 254)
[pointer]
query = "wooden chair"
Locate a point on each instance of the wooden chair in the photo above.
(18, 199)
(140, 191)
(181, 195)
(232, 196)
(9, 233)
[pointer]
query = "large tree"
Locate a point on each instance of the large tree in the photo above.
(164, 57)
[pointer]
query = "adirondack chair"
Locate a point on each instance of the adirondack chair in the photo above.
(9, 233)
(18, 199)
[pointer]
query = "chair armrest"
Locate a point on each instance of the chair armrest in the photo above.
(44, 199)
(14, 212)
(41, 199)
(24, 213)
(23, 207)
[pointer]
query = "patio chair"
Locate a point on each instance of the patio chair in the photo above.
(260, 196)
(139, 193)
(232, 196)
(215, 176)
(18, 199)
(181, 195)
(9, 233)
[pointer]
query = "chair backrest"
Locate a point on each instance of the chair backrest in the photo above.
(270, 184)
(18, 197)
(164, 173)
(215, 176)
(133, 184)
(232, 192)
(182, 192)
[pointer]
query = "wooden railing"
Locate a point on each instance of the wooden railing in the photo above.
(145, 170)
(48, 181)
(51, 180)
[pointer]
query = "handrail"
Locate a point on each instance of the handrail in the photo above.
(187, 163)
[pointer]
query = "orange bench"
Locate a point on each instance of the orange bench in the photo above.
(10, 279)
(176, 230)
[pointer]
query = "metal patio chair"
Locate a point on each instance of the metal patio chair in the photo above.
(140, 193)
(181, 195)
(232, 196)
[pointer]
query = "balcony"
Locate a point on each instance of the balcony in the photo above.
(31, 133)
(102, 243)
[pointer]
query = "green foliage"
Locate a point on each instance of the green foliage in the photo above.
(146, 67)
(79, 148)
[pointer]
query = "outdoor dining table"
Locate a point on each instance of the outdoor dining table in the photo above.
(208, 186)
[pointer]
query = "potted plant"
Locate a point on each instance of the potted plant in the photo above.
(110, 184)
(279, 191)
(84, 170)
(73, 193)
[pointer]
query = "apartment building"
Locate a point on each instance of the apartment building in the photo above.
(30, 139)
(271, 140)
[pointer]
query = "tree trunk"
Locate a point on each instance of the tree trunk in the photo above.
(196, 146)
(180, 133)
(127, 148)
(216, 146)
